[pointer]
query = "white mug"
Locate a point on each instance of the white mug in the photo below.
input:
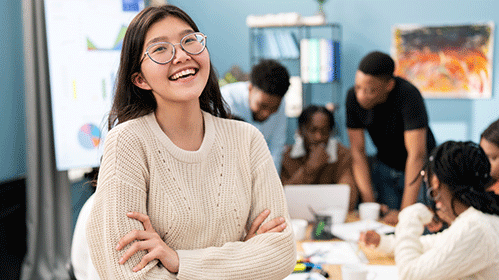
(369, 211)
(299, 228)
(337, 214)
(355, 272)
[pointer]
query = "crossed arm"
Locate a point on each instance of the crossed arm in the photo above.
(150, 241)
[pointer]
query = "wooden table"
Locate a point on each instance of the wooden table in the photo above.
(374, 257)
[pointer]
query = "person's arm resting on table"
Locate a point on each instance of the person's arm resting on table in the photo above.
(463, 252)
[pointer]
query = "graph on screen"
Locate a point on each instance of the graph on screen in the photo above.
(84, 40)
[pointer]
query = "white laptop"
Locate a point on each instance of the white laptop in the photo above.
(301, 198)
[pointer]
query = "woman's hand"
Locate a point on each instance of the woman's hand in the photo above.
(150, 241)
(276, 225)
(370, 238)
(435, 225)
(391, 217)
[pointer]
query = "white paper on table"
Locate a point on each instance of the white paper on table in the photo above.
(351, 231)
(384, 272)
(334, 252)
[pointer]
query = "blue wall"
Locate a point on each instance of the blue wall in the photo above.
(366, 26)
(12, 134)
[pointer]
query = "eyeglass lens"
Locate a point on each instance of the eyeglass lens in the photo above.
(163, 52)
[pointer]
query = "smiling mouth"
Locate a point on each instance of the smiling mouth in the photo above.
(183, 74)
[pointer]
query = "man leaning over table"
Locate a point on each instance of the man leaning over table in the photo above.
(392, 111)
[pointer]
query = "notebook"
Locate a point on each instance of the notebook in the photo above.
(301, 198)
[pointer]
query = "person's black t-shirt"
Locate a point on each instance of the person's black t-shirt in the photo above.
(403, 110)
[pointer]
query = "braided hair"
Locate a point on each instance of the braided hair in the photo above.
(465, 169)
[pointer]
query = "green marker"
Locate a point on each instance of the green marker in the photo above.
(319, 229)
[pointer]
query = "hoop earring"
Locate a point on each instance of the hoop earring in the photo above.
(430, 195)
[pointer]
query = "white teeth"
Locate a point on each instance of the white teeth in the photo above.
(183, 73)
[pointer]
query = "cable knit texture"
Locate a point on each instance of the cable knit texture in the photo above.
(468, 249)
(198, 201)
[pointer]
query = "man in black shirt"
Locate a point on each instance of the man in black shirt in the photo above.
(393, 112)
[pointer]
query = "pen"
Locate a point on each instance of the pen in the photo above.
(305, 267)
(308, 267)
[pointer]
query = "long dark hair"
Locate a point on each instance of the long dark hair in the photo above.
(465, 169)
(130, 101)
(491, 133)
(307, 114)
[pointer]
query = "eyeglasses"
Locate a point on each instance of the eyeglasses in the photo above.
(163, 52)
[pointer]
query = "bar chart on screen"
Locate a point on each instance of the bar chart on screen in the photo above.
(84, 40)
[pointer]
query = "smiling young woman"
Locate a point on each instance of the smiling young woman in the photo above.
(182, 190)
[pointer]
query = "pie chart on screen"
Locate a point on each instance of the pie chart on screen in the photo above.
(89, 136)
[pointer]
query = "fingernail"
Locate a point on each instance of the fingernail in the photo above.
(281, 219)
(118, 246)
(135, 269)
(266, 211)
(121, 261)
(283, 225)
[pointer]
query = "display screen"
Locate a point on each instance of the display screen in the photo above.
(84, 39)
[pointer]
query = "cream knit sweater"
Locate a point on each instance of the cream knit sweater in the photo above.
(199, 202)
(468, 249)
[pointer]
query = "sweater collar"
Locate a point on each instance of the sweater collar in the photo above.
(178, 153)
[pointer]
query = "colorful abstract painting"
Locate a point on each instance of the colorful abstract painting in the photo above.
(453, 61)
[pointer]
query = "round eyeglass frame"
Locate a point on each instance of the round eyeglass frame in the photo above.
(174, 49)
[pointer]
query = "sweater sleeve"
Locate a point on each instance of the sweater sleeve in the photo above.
(121, 188)
(265, 256)
(464, 252)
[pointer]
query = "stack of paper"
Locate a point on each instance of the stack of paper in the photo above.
(305, 276)
(334, 252)
(383, 272)
(351, 231)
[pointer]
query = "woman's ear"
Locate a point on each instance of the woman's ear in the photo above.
(390, 85)
(139, 80)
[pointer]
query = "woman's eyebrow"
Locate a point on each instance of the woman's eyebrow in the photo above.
(165, 38)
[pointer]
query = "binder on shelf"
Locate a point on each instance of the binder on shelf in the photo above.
(320, 60)
(295, 43)
(314, 60)
(273, 47)
(304, 58)
(336, 60)
(259, 45)
(326, 60)
(276, 45)
(289, 46)
(283, 45)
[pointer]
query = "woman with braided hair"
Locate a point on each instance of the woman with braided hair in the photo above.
(456, 177)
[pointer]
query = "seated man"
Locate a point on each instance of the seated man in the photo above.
(260, 102)
(316, 157)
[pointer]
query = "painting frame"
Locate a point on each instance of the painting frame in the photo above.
(446, 61)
